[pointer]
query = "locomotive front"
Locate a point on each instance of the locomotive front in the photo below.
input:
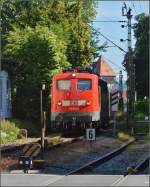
(75, 100)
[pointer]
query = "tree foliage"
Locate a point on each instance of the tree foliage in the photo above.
(40, 54)
(40, 38)
(141, 55)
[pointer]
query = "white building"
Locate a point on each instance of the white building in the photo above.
(5, 96)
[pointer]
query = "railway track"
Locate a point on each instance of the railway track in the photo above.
(15, 147)
(101, 160)
(13, 152)
(142, 165)
(12, 148)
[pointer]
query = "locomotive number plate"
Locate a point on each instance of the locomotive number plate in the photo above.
(90, 134)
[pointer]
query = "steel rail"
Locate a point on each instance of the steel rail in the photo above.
(135, 170)
(142, 165)
(102, 159)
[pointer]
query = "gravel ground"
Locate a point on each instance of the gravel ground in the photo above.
(70, 157)
(131, 157)
(146, 171)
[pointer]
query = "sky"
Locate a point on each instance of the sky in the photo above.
(112, 11)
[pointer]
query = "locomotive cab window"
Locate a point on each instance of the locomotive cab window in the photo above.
(64, 84)
(84, 84)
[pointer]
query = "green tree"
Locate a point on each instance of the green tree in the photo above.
(141, 55)
(40, 38)
(39, 54)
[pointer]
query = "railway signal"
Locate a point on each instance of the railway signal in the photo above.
(114, 107)
(114, 101)
(25, 162)
(29, 152)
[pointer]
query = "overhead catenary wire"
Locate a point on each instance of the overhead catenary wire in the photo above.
(104, 21)
(114, 63)
(109, 21)
(112, 42)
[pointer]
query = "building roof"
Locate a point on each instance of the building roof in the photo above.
(105, 69)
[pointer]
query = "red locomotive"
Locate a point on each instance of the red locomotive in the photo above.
(79, 100)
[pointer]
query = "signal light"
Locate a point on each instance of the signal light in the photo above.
(25, 163)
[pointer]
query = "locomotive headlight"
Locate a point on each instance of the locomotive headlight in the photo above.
(59, 103)
(73, 74)
(88, 102)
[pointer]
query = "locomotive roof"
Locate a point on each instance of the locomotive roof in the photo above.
(78, 75)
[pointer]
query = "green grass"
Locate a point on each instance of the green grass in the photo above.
(8, 131)
(55, 140)
(122, 136)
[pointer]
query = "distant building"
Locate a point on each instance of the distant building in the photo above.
(105, 72)
(103, 69)
(5, 96)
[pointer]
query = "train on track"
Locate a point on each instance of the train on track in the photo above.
(79, 100)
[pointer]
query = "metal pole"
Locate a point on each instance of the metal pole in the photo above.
(41, 106)
(109, 101)
(43, 133)
(114, 125)
(41, 109)
(42, 119)
(130, 69)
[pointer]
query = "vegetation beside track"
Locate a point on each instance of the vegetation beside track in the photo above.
(10, 130)
(124, 133)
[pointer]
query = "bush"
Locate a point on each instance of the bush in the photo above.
(120, 116)
(9, 131)
(142, 106)
(122, 136)
(140, 116)
(33, 130)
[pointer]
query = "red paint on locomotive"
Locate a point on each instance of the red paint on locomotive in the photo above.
(75, 96)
